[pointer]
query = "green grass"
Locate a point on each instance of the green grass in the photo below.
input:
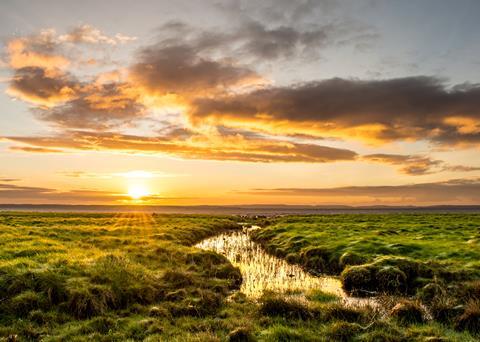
(388, 253)
(136, 277)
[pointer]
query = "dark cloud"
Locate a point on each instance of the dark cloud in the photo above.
(280, 11)
(8, 191)
(452, 191)
(254, 40)
(412, 108)
(25, 194)
(43, 87)
(416, 165)
(98, 107)
(179, 69)
(212, 147)
(409, 164)
(462, 168)
(279, 42)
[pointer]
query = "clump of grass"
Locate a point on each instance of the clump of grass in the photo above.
(87, 300)
(199, 303)
(228, 272)
(470, 291)
(444, 310)
(386, 275)
(430, 292)
(321, 297)
(276, 305)
(338, 311)
(383, 331)
(470, 319)
(408, 312)
(176, 295)
(101, 325)
(281, 333)
(350, 258)
(342, 331)
(241, 334)
(358, 280)
(158, 311)
(23, 303)
(391, 280)
(178, 279)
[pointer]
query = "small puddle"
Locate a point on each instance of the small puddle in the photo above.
(262, 271)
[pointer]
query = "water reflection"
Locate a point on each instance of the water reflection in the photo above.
(262, 271)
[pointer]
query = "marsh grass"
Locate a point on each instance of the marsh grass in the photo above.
(137, 277)
(59, 270)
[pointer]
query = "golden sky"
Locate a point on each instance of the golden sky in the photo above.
(238, 103)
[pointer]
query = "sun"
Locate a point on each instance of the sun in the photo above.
(137, 191)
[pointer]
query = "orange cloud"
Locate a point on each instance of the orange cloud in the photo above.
(33, 149)
(218, 147)
(36, 51)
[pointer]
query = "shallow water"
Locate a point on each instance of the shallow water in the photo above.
(262, 271)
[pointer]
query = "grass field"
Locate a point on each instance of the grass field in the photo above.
(415, 249)
(135, 277)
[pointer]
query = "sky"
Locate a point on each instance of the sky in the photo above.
(360, 102)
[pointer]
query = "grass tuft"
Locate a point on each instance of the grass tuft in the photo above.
(408, 312)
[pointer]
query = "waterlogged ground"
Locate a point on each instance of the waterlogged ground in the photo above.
(264, 272)
(139, 277)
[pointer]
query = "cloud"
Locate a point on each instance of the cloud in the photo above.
(40, 50)
(211, 147)
(461, 191)
(67, 102)
(409, 164)
(411, 108)
(42, 66)
(97, 107)
(252, 40)
(233, 112)
(462, 168)
(9, 179)
(164, 69)
(416, 165)
(91, 35)
(264, 43)
(135, 174)
(42, 87)
(32, 149)
(12, 193)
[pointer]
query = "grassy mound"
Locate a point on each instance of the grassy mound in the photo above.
(408, 312)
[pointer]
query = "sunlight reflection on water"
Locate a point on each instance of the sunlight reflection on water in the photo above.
(262, 271)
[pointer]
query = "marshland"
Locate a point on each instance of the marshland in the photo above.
(151, 277)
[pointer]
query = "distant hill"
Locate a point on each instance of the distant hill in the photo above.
(258, 209)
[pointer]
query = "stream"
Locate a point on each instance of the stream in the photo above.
(262, 271)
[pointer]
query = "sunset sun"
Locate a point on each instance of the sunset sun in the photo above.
(138, 191)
